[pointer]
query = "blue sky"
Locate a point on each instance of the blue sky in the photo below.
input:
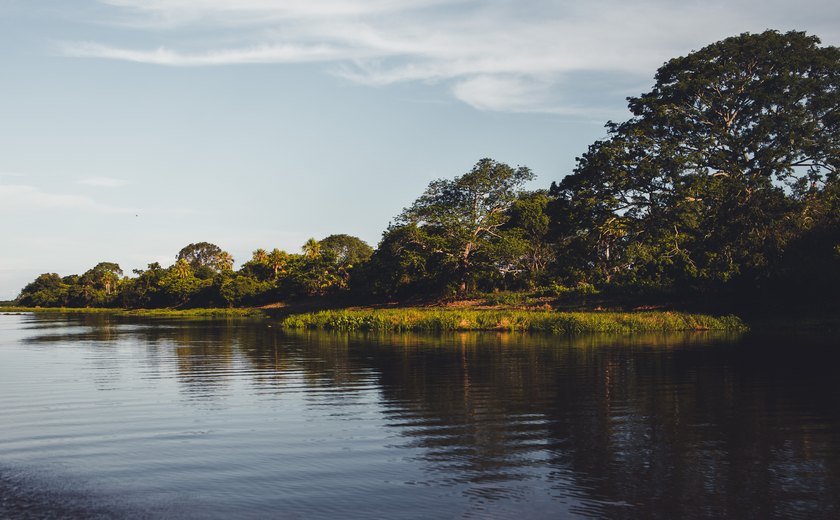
(131, 128)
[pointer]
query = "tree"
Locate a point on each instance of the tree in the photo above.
(237, 289)
(258, 266)
(402, 264)
(182, 269)
(143, 291)
(311, 249)
(224, 261)
(526, 236)
(179, 283)
(344, 253)
(709, 178)
(105, 274)
(47, 290)
(278, 259)
(204, 257)
(463, 214)
(95, 287)
(345, 250)
(260, 256)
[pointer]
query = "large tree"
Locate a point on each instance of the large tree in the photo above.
(345, 250)
(105, 274)
(460, 216)
(205, 258)
(344, 253)
(48, 290)
(711, 176)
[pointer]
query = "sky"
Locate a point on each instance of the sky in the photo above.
(131, 128)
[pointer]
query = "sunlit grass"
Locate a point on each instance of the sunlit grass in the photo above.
(413, 319)
(437, 320)
(171, 313)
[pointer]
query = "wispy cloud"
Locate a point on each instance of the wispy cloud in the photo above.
(507, 55)
(16, 197)
(103, 182)
(283, 53)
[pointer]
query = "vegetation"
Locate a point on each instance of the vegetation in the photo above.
(416, 319)
(721, 187)
(730, 160)
(159, 313)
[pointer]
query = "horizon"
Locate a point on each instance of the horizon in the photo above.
(135, 128)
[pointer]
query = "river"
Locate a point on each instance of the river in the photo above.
(117, 417)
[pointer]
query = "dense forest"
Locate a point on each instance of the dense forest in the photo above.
(722, 184)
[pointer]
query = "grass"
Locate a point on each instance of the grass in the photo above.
(161, 313)
(413, 319)
(439, 320)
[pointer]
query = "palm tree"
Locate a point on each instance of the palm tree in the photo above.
(225, 261)
(260, 256)
(182, 268)
(277, 260)
(312, 249)
(108, 279)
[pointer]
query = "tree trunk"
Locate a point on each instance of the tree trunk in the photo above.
(464, 268)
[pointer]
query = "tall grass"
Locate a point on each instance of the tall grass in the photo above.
(439, 320)
(162, 313)
(398, 320)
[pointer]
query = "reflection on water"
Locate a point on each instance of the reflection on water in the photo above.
(221, 419)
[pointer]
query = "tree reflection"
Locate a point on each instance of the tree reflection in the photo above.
(657, 426)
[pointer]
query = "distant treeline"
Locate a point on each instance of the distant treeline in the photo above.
(723, 183)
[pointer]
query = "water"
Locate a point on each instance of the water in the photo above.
(106, 417)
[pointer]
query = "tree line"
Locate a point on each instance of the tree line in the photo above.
(722, 183)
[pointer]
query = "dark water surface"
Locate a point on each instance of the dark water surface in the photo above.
(114, 417)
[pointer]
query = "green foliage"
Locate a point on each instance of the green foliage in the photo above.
(578, 290)
(237, 289)
(345, 250)
(405, 263)
(345, 253)
(47, 290)
(311, 249)
(707, 183)
(203, 276)
(399, 320)
(460, 217)
(506, 298)
(523, 253)
(179, 284)
(312, 276)
(205, 258)
(210, 313)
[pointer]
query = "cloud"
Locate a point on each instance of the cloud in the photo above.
(258, 54)
(29, 198)
(502, 55)
(103, 182)
(249, 11)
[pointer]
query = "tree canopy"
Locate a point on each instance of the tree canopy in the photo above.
(712, 175)
(345, 250)
(460, 216)
(204, 255)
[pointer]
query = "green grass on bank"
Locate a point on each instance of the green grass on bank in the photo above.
(397, 320)
(163, 313)
(436, 319)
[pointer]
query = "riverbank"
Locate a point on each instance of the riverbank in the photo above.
(437, 319)
(160, 313)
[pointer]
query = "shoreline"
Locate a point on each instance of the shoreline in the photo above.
(442, 319)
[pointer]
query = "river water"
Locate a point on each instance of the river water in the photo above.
(116, 417)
